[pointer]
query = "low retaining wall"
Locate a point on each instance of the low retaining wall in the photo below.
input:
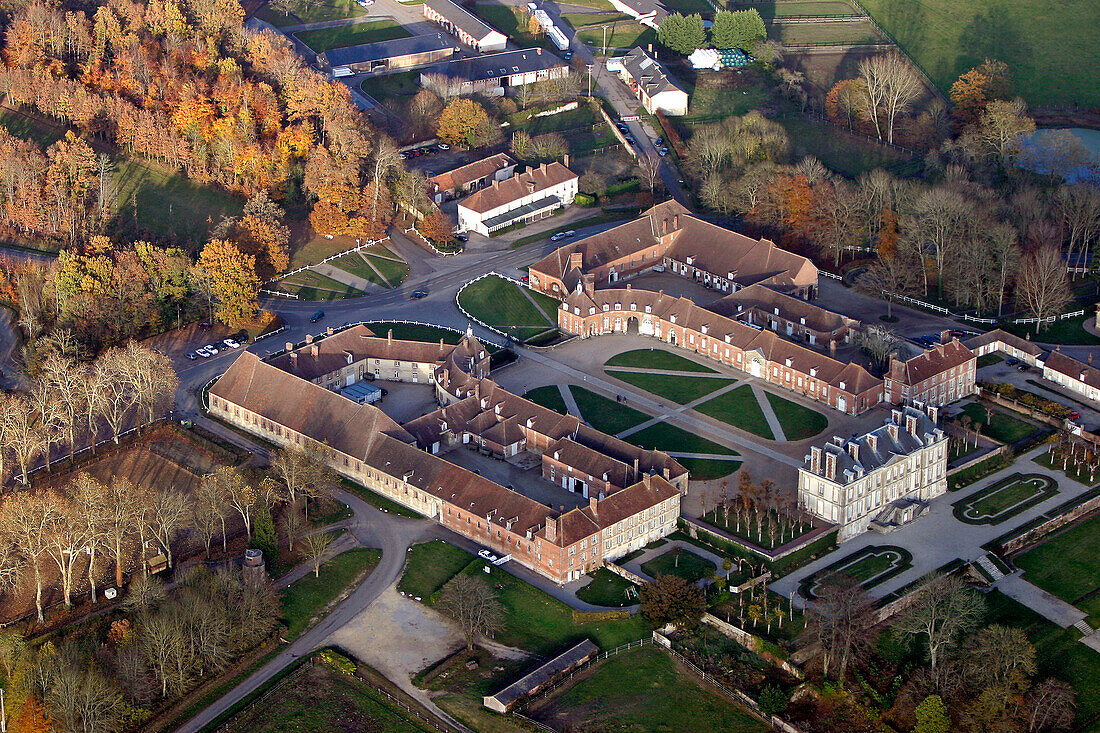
(751, 642)
(1000, 451)
(624, 573)
(1035, 534)
(695, 527)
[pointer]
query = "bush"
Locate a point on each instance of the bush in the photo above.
(263, 534)
(336, 660)
(1028, 399)
(583, 199)
(773, 700)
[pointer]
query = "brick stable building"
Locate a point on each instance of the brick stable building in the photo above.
(292, 401)
(942, 374)
(680, 322)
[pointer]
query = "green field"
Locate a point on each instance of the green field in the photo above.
(606, 415)
(1070, 331)
(799, 422)
(310, 285)
(705, 469)
(394, 270)
(998, 425)
(323, 39)
(820, 34)
(843, 152)
(308, 11)
(549, 397)
(388, 88)
(989, 360)
(503, 305)
(681, 563)
(687, 7)
(868, 566)
(623, 35)
(672, 439)
(709, 103)
(642, 690)
(1004, 499)
(416, 332)
(739, 408)
(1067, 564)
(507, 20)
(304, 599)
(429, 565)
(657, 359)
(608, 589)
(579, 20)
(320, 698)
(797, 8)
(355, 264)
(1051, 51)
(680, 390)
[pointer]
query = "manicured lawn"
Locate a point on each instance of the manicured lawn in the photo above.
(687, 7)
(642, 690)
(594, 4)
(508, 21)
(324, 699)
(869, 566)
(810, 34)
(608, 589)
(1004, 499)
(579, 20)
(672, 439)
(740, 409)
(657, 359)
(312, 251)
(1079, 472)
(604, 414)
(429, 566)
(705, 469)
(682, 563)
(681, 390)
(305, 598)
(946, 38)
(312, 285)
(799, 422)
(746, 528)
(309, 11)
(1067, 564)
(623, 35)
(355, 264)
(549, 397)
(998, 425)
(794, 8)
(1071, 331)
(373, 31)
(501, 304)
(388, 88)
(989, 360)
(416, 332)
(395, 271)
(713, 103)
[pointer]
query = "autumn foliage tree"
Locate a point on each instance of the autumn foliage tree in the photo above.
(436, 227)
(231, 275)
(465, 122)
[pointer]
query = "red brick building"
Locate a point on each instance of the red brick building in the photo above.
(945, 373)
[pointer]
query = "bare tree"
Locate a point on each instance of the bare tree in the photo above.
(10, 562)
(162, 640)
(1005, 253)
(294, 524)
(211, 506)
(945, 609)
(150, 377)
(91, 506)
(891, 86)
(80, 696)
(1000, 656)
(650, 167)
(24, 435)
(27, 518)
(50, 417)
(169, 516)
(1042, 286)
(472, 604)
(315, 545)
(116, 394)
(120, 509)
(66, 380)
(878, 341)
(302, 475)
(840, 620)
(1052, 704)
(65, 537)
(886, 277)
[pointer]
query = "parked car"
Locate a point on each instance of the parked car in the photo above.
(1022, 368)
(487, 555)
(629, 138)
(658, 268)
(1012, 362)
(418, 294)
(443, 146)
(567, 55)
(212, 349)
(232, 343)
(192, 355)
(557, 237)
(569, 234)
(204, 326)
(316, 316)
(659, 142)
(525, 279)
(203, 352)
(1075, 415)
(662, 152)
(462, 237)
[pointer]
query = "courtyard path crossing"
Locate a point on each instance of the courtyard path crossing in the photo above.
(664, 372)
(570, 403)
(1047, 605)
(769, 413)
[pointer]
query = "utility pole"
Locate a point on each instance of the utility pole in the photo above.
(604, 40)
(589, 67)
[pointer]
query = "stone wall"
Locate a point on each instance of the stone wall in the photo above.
(1033, 535)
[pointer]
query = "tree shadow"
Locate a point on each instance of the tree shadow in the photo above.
(993, 36)
(905, 20)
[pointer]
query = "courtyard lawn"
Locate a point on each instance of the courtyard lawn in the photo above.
(680, 390)
(608, 589)
(868, 566)
(643, 690)
(947, 38)
(320, 698)
(681, 563)
(503, 305)
(672, 439)
(388, 88)
(323, 39)
(355, 265)
(549, 397)
(799, 422)
(622, 35)
(417, 332)
(657, 359)
(306, 11)
(580, 20)
(687, 7)
(429, 565)
(989, 360)
(998, 425)
(604, 414)
(306, 598)
(1004, 499)
(711, 103)
(1067, 564)
(740, 409)
(707, 469)
(395, 271)
(509, 21)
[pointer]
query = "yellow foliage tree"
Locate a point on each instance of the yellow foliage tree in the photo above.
(231, 275)
(464, 122)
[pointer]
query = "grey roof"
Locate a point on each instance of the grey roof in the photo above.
(649, 74)
(877, 448)
(462, 18)
(360, 391)
(387, 49)
(546, 672)
(496, 65)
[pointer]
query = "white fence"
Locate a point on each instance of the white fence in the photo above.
(338, 255)
(973, 319)
(482, 323)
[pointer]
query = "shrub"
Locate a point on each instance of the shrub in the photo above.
(583, 199)
(336, 660)
(773, 700)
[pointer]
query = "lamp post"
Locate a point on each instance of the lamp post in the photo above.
(589, 67)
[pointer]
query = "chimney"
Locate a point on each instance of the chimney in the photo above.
(309, 338)
(897, 367)
(592, 505)
(551, 529)
(649, 48)
(441, 349)
(389, 336)
(314, 351)
(294, 360)
(538, 51)
(635, 467)
(911, 425)
(675, 222)
(664, 226)
(530, 187)
(945, 337)
(815, 459)
(589, 284)
(565, 160)
(872, 442)
(933, 414)
(853, 450)
(289, 346)
(892, 428)
(576, 260)
(830, 466)
(330, 330)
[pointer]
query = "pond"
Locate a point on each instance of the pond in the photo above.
(1052, 149)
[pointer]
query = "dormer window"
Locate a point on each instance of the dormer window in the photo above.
(606, 307)
(565, 306)
(592, 310)
(648, 309)
(802, 320)
(576, 311)
(842, 385)
(813, 371)
(618, 306)
(672, 319)
(703, 329)
(788, 362)
(689, 260)
(633, 306)
(727, 338)
(776, 311)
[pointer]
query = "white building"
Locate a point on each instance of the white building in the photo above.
(880, 479)
(1072, 374)
(528, 197)
(465, 26)
(655, 89)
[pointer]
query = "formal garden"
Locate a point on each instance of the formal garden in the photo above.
(868, 566)
(1004, 499)
(1067, 564)
(681, 563)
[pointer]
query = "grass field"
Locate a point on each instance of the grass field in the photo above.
(844, 152)
(989, 360)
(307, 11)
(429, 565)
(946, 38)
(672, 439)
(643, 690)
(310, 285)
(623, 35)
(799, 422)
(580, 20)
(1004, 499)
(355, 264)
(549, 397)
(321, 698)
(395, 271)
(794, 35)
(681, 390)
(503, 305)
(1067, 564)
(868, 566)
(507, 20)
(705, 469)
(608, 589)
(605, 414)
(1071, 331)
(415, 332)
(303, 600)
(739, 408)
(323, 39)
(657, 359)
(715, 103)
(687, 7)
(999, 425)
(387, 88)
(796, 8)
(681, 563)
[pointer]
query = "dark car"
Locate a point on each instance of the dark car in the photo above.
(1012, 362)
(462, 237)
(659, 142)
(1022, 368)
(204, 326)
(316, 316)
(418, 294)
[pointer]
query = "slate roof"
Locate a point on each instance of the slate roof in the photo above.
(582, 522)
(495, 65)
(791, 308)
(877, 448)
(1079, 370)
(649, 74)
(462, 18)
(366, 52)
